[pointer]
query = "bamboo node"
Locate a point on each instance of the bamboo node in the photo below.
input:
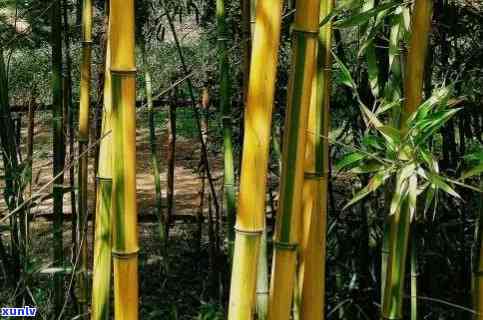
(263, 292)
(308, 32)
(314, 175)
(103, 179)
(285, 246)
(390, 318)
(83, 140)
(124, 255)
(87, 43)
(124, 72)
(253, 233)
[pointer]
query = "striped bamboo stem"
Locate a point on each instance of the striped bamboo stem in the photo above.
(311, 271)
(153, 147)
(123, 119)
(399, 224)
(287, 231)
(225, 107)
(101, 277)
(83, 144)
(250, 221)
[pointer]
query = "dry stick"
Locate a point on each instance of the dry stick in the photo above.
(204, 152)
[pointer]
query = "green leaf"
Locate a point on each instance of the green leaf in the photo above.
(412, 194)
(373, 142)
(346, 77)
(372, 69)
(348, 160)
(374, 183)
(441, 184)
(429, 198)
(473, 172)
(369, 167)
(391, 132)
(401, 187)
(363, 17)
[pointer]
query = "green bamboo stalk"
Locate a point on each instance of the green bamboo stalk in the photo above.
(287, 236)
(70, 118)
(85, 86)
(414, 273)
(59, 150)
(153, 147)
(399, 227)
(101, 277)
(225, 107)
(171, 160)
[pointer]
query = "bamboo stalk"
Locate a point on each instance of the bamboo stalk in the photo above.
(10, 163)
(171, 159)
(414, 272)
(101, 277)
(250, 221)
(70, 118)
(124, 209)
(399, 227)
(59, 152)
(153, 147)
(262, 279)
(225, 107)
(311, 271)
(85, 86)
(286, 240)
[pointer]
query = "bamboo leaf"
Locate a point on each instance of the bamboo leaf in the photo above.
(372, 166)
(348, 160)
(376, 181)
(373, 141)
(346, 77)
(363, 17)
(441, 184)
(412, 194)
(473, 172)
(391, 132)
(429, 197)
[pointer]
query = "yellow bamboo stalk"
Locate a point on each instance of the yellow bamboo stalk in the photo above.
(101, 278)
(85, 87)
(305, 31)
(251, 202)
(311, 271)
(124, 208)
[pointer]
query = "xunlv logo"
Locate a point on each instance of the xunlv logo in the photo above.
(18, 312)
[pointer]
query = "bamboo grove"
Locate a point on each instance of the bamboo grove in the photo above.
(252, 159)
